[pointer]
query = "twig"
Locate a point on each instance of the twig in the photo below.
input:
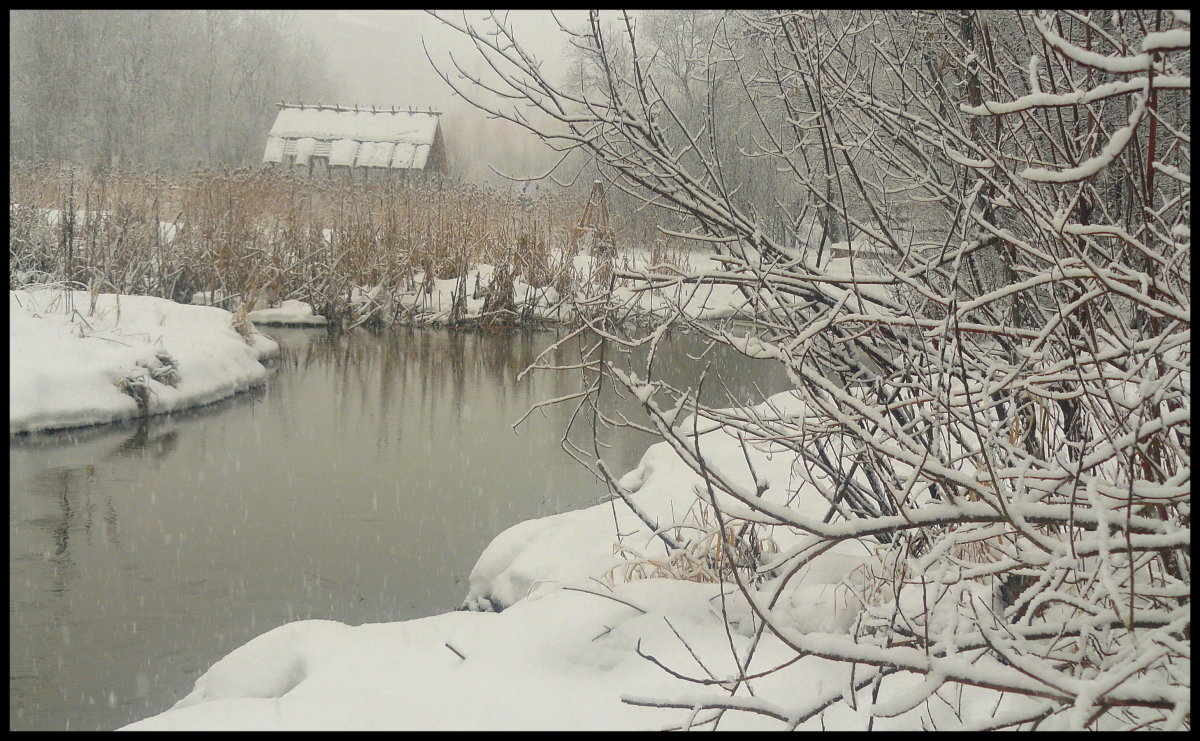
(607, 596)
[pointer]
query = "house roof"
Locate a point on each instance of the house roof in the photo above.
(395, 138)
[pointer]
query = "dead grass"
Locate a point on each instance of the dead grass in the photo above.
(267, 236)
(710, 553)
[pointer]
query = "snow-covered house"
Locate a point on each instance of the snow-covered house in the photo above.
(357, 140)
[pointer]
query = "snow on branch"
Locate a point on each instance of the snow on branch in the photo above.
(1116, 65)
(1079, 97)
(1092, 166)
(1173, 40)
(987, 379)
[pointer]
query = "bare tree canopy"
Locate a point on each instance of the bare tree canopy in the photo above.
(966, 235)
(154, 88)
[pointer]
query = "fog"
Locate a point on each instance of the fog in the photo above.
(179, 89)
(377, 57)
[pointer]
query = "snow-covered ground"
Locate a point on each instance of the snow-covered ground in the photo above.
(288, 313)
(433, 303)
(73, 363)
(571, 646)
(567, 625)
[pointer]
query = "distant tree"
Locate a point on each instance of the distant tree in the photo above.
(150, 88)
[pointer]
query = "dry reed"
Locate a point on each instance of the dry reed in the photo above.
(260, 236)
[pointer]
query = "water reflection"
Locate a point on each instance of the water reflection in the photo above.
(159, 445)
(360, 484)
(67, 550)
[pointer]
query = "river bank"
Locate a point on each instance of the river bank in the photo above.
(78, 359)
(143, 552)
(587, 636)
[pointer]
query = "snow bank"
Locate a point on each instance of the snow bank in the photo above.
(577, 548)
(432, 302)
(421, 301)
(698, 301)
(563, 651)
(571, 649)
(68, 361)
(563, 660)
(288, 313)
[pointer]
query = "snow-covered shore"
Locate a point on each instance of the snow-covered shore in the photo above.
(569, 649)
(73, 363)
(440, 302)
(562, 615)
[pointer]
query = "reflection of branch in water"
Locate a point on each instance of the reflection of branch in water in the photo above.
(68, 485)
(160, 446)
(62, 534)
(62, 531)
(113, 530)
(456, 349)
(70, 482)
(137, 442)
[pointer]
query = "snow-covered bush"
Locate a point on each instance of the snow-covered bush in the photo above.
(989, 337)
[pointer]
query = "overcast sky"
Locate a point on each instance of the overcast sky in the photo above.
(377, 58)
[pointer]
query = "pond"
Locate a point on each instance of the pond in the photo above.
(360, 484)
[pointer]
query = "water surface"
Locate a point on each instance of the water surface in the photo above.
(359, 484)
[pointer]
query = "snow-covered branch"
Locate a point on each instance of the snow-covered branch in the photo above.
(988, 342)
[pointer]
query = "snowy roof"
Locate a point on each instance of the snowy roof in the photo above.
(391, 137)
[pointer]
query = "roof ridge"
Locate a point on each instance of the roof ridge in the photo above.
(389, 137)
(356, 108)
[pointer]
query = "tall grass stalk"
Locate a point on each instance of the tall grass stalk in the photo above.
(259, 236)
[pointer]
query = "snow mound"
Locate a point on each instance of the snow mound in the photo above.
(560, 661)
(73, 363)
(288, 313)
(561, 641)
(579, 548)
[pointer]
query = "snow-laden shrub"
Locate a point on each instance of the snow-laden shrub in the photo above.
(989, 340)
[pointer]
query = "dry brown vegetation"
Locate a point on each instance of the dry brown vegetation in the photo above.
(261, 236)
